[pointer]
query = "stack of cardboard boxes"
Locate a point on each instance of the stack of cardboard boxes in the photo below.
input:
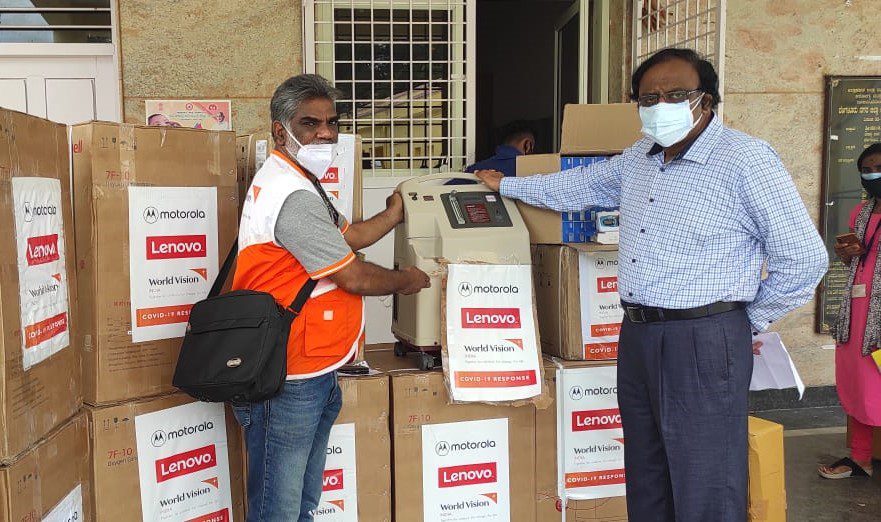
(43, 437)
(456, 461)
(155, 212)
(579, 444)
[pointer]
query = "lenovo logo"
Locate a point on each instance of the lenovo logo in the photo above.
(607, 284)
(42, 249)
(596, 420)
(185, 463)
(333, 480)
(454, 476)
(176, 247)
(490, 318)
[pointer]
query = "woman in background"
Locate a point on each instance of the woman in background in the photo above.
(858, 330)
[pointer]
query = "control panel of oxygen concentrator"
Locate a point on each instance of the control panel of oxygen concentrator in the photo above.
(475, 210)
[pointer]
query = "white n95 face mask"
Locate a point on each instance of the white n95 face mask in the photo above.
(669, 123)
(314, 157)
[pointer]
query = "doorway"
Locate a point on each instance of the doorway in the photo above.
(533, 57)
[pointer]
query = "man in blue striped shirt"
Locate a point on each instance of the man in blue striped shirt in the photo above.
(703, 208)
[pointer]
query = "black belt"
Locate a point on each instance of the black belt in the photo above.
(646, 314)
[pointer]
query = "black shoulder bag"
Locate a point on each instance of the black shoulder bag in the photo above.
(236, 344)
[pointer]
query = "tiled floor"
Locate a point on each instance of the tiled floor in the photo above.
(817, 435)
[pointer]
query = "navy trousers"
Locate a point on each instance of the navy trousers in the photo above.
(683, 391)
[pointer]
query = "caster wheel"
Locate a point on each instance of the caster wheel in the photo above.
(400, 351)
(426, 361)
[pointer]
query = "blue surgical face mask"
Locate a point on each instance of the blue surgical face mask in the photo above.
(669, 123)
(870, 176)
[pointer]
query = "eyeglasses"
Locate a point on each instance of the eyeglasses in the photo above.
(649, 100)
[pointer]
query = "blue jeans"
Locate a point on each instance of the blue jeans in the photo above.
(286, 438)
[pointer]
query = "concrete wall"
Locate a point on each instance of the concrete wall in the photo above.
(777, 52)
(236, 49)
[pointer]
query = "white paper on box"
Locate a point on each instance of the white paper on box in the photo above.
(70, 509)
(589, 424)
(492, 352)
(465, 467)
(172, 256)
(339, 494)
(601, 312)
(183, 464)
(339, 182)
(42, 274)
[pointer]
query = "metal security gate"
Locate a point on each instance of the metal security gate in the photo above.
(406, 69)
(695, 24)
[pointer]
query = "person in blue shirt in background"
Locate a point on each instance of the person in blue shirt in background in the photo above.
(517, 139)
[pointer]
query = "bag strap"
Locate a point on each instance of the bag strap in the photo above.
(224, 270)
(302, 296)
(296, 305)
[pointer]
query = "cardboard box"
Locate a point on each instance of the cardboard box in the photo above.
(767, 482)
(590, 134)
(599, 129)
(360, 479)
(251, 151)
(173, 174)
(121, 476)
(50, 481)
(548, 503)
(40, 384)
(459, 458)
(576, 295)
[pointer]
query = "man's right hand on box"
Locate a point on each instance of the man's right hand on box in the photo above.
(490, 178)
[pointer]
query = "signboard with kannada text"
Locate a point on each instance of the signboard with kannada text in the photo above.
(853, 122)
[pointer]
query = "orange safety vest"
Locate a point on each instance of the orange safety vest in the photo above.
(330, 328)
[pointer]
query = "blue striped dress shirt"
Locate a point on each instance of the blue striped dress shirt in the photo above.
(698, 229)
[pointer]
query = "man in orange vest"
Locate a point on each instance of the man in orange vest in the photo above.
(290, 233)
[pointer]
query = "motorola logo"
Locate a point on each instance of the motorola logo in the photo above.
(576, 393)
(151, 215)
(159, 439)
(465, 289)
(442, 448)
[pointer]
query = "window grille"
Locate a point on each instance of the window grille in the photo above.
(695, 24)
(406, 78)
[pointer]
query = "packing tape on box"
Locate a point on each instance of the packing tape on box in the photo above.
(127, 148)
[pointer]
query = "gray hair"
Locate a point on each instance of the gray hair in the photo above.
(294, 91)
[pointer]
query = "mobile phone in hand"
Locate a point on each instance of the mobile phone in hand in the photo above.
(847, 239)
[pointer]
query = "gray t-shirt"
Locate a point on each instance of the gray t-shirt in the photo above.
(304, 229)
